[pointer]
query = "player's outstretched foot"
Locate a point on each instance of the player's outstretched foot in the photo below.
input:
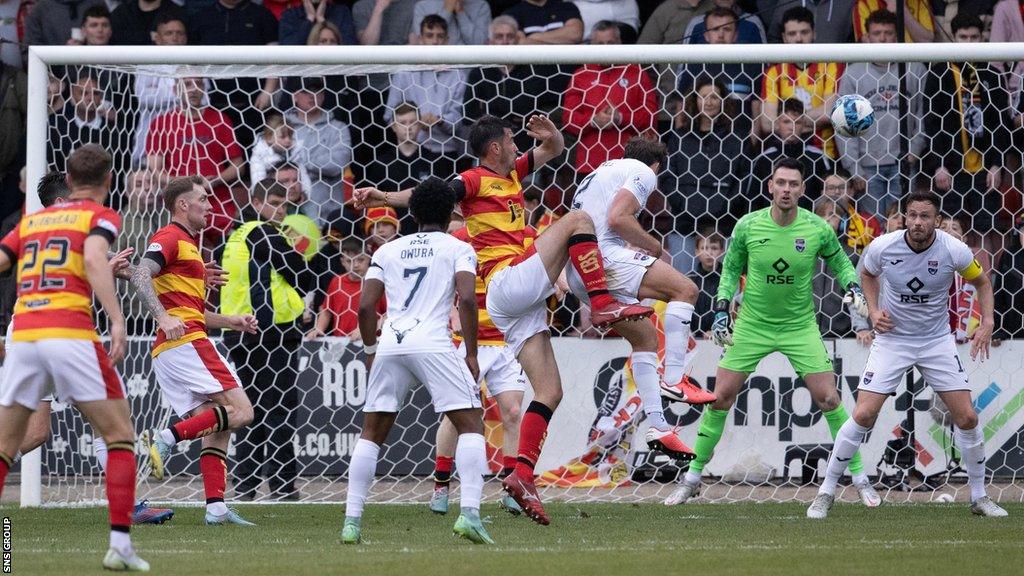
(143, 514)
(350, 532)
(525, 494)
(509, 505)
(472, 529)
(121, 562)
(229, 517)
(985, 506)
(687, 391)
(605, 315)
(439, 501)
(683, 493)
(820, 506)
(668, 443)
(868, 496)
(159, 452)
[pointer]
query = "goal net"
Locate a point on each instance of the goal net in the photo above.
(322, 122)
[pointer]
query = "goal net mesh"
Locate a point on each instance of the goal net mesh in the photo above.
(322, 131)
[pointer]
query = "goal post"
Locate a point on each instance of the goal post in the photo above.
(774, 436)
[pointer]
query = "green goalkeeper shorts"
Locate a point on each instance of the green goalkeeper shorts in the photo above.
(803, 347)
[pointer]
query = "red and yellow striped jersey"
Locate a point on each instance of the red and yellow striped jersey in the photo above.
(921, 10)
(810, 84)
(54, 295)
(180, 284)
(487, 334)
(494, 210)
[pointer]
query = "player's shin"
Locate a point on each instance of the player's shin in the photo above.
(203, 424)
(471, 461)
(99, 450)
(213, 465)
(360, 476)
(531, 438)
(835, 419)
(121, 493)
(972, 456)
(645, 374)
(712, 424)
(678, 316)
(5, 466)
(585, 257)
(847, 441)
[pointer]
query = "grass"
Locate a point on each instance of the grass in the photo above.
(711, 539)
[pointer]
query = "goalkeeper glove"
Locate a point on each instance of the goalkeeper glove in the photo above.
(721, 329)
(854, 298)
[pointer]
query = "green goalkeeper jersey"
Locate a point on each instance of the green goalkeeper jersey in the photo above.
(780, 263)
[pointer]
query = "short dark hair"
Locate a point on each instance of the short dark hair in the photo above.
(351, 245)
(486, 130)
(285, 165)
(603, 25)
(98, 11)
(432, 202)
(720, 12)
(798, 14)
(405, 108)
(51, 186)
(714, 238)
(646, 151)
(965, 20)
(792, 106)
(433, 21)
(790, 163)
(922, 196)
(178, 187)
(166, 18)
(880, 18)
(89, 165)
(269, 187)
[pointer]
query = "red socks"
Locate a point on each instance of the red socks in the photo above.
(508, 465)
(532, 432)
(213, 464)
(120, 484)
(586, 259)
(443, 471)
(203, 424)
(5, 467)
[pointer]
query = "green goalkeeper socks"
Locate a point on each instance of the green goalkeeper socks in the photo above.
(712, 424)
(836, 418)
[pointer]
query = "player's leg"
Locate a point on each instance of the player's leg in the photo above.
(572, 239)
(213, 466)
(444, 460)
(25, 381)
(822, 386)
(471, 461)
(510, 406)
(13, 423)
(507, 383)
(142, 513)
(38, 430)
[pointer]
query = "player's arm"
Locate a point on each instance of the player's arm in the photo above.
(371, 197)
(240, 322)
(880, 320)
(622, 220)
(732, 268)
(97, 271)
(372, 291)
(552, 143)
(843, 271)
(142, 280)
(983, 334)
(465, 289)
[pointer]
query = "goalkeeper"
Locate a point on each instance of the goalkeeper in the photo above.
(778, 247)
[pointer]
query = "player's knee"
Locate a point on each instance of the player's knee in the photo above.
(685, 291)
(511, 414)
(580, 221)
(829, 402)
(968, 421)
(864, 416)
(243, 415)
(34, 438)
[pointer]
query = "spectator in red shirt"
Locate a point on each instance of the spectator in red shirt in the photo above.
(197, 139)
(339, 314)
(607, 105)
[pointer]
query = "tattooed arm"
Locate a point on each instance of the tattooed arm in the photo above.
(141, 278)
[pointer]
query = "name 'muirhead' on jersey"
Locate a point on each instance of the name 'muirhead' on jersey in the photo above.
(597, 191)
(914, 286)
(418, 272)
(780, 263)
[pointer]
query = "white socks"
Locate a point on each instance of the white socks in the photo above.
(846, 443)
(678, 316)
(471, 462)
(168, 437)
(121, 541)
(692, 478)
(645, 374)
(217, 508)
(99, 450)
(360, 476)
(972, 457)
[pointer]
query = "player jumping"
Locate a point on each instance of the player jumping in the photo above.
(778, 247)
(907, 275)
(62, 252)
(422, 274)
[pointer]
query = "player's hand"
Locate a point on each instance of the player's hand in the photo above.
(854, 298)
(245, 323)
(118, 342)
(881, 322)
(474, 367)
(542, 128)
(172, 327)
(119, 263)
(721, 329)
(865, 338)
(215, 275)
(981, 341)
(370, 197)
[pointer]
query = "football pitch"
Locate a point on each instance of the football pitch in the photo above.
(650, 539)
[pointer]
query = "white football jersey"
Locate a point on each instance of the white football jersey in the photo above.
(915, 285)
(418, 272)
(595, 193)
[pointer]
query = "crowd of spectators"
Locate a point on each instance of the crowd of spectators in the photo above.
(724, 124)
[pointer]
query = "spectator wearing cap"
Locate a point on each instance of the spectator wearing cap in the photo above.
(157, 94)
(467, 19)
(667, 24)
(605, 106)
(749, 29)
(134, 20)
(50, 22)
(326, 147)
(380, 226)
(1008, 284)
(297, 23)
(548, 22)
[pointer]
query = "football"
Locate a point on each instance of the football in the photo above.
(852, 115)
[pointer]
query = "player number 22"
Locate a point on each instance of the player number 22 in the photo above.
(62, 246)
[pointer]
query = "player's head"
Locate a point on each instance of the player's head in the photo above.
(966, 27)
(187, 198)
(880, 27)
(653, 153)
(921, 215)
(787, 183)
(431, 203)
(270, 200)
(491, 139)
(52, 189)
(433, 31)
(798, 26)
(89, 172)
(720, 26)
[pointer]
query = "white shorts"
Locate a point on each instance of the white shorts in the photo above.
(499, 368)
(190, 373)
(73, 370)
(445, 375)
(517, 301)
(625, 270)
(892, 356)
